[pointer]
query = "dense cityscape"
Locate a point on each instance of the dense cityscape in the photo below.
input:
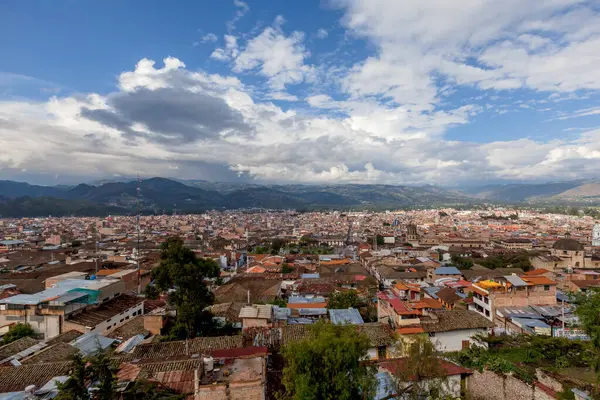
(300, 200)
(457, 280)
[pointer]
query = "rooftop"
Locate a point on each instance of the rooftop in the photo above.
(182, 347)
(92, 317)
(451, 320)
(347, 316)
(260, 311)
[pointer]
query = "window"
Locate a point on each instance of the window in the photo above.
(487, 301)
(546, 287)
(487, 313)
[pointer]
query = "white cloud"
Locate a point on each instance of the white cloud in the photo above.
(278, 57)
(229, 52)
(383, 118)
(209, 37)
(322, 33)
(124, 132)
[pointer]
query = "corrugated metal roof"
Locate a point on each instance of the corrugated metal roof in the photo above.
(515, 281)
(347, 316)
(302, 299)
(447, 271)
(519, 312)
(262, 311)
(91, 343)
(128, 345)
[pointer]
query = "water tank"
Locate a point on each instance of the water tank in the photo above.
(208, 363)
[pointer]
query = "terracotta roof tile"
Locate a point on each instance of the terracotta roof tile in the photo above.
(194, 346)
(13, 379)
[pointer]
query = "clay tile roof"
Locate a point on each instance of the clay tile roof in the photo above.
(408, 330)
(131, 328)
(451, 320)
(55, 353)
(378, 334)
(17, 346)
(567, 244)
(194, 346)
(448, 295)
(539, 271)
(14, 379)
(427, 303)
(538, 280)
(64, 337)
(446, 368)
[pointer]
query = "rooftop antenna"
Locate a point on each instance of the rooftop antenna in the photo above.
(137, 227)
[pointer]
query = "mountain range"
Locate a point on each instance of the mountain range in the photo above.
(161, 195)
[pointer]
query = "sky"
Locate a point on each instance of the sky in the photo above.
(273, 91)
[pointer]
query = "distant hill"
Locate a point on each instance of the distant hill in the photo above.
(161, 195)
(13, 189)
(46, 206)
(587, 190)
(516, 193)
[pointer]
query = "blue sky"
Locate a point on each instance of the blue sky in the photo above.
(336, 91)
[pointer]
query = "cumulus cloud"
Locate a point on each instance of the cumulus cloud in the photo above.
(278, 57)
(277, 116)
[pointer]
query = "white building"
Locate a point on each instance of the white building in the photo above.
(596, 235)
(455, 330)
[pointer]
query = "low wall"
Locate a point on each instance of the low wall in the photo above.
(488, 385)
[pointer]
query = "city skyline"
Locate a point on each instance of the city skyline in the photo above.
(340, 91)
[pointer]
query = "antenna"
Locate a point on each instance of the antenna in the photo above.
(137, 227)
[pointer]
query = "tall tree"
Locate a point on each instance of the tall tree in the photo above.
(183, 274)
(75, 388)
(420, 373)
(327, 366)
(588, 311)
(342, 300)
(104, 374)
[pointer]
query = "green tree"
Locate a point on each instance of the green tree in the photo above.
(17, 331)
(380, 241)
(328, 366)
(420, 373)
(184, 275)
(286, 269)
(462, 262)
(104, 374)
(588, 311)
(342, 300)
(75, 387)
(151, 292)
(75, 243)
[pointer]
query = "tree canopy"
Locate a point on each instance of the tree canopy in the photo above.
(17, 331)
(588, 311)
(183, 275)
(328, 365)
(341, 300)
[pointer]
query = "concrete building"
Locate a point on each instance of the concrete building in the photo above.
(596, 235)
(47, 310)
(512, 291)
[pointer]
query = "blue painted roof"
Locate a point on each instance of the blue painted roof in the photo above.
(447, 271)
(310, 276)
(431, 291)
(346, 316)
